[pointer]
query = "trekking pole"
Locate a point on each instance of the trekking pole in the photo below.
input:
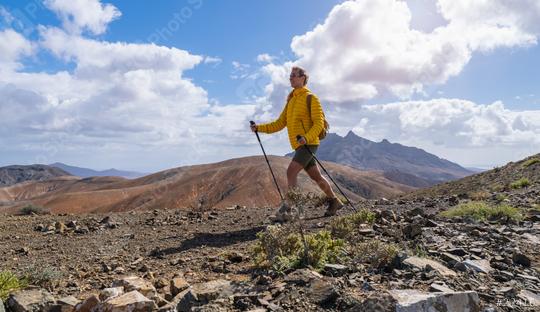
(298, 137)
(266, 157)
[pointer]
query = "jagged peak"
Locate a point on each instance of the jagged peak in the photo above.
(350, 134)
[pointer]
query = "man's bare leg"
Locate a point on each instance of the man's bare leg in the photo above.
(292, 174)
(315, 174)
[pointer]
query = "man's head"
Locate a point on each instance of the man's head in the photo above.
(298, 77)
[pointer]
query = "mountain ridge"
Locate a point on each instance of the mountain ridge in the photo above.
(10, 175)
(87, 172)
(242, 181)
(409, 165)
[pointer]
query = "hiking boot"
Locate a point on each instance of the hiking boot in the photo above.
(333, 207)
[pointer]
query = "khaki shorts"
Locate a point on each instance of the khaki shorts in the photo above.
(303, 157)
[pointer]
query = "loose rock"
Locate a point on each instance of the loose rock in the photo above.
(30, 300)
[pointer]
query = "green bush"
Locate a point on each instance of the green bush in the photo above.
(531, 162)
(46, 277)
(281, 249)
(344, 227)
(9, 282)
(375, 253)
(521, 183)
(483, 211)
(31, 209)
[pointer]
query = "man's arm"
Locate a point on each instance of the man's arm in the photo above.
(317, 118)
(276, 125)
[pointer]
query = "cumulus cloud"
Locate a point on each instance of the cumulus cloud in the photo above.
(367, 48)
(452, 122)
(470, 133)
(13, 46)
(81, 15)
(116, 89)
(118, 97)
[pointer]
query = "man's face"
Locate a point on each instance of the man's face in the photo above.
(296, 80)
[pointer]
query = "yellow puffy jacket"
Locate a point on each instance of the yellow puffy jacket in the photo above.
(295, 116)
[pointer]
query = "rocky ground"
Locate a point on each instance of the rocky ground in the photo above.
(180, 260)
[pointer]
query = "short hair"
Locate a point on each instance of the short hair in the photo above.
(301, 72)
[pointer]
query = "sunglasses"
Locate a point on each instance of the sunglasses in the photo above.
(295, 75)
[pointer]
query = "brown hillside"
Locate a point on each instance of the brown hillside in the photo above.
(496, 180)
(242, 181)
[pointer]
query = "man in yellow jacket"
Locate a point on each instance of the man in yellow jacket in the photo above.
(308, 123)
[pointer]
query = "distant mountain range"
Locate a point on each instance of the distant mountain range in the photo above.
(403, 164)
(242, 181)
(10, 175)
(85, 172)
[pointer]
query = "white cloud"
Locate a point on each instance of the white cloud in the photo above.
(367, 48)
(117, 57)
(13, 46)
(119, 96)
(462, 130)
(265, 58)
(212, 60)
(80, 15)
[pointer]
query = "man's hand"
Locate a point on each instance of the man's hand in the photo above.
(301, 140)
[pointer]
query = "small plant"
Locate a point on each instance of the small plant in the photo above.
(282, 249)
(531, 162)
(501, 197)
(373, 252)
(479, 195)
(521, 183)
(45, 277)
(31, 209)
(498, 187)
(9, 282)
(483, 211)
(345, 226)
(420, 251)
(297, 198)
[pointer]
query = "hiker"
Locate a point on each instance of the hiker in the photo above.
(306, 122)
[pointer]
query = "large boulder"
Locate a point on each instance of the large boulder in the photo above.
(132, 301)
(410, 300)
(30, 300)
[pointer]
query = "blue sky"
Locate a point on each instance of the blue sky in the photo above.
(148, 86)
